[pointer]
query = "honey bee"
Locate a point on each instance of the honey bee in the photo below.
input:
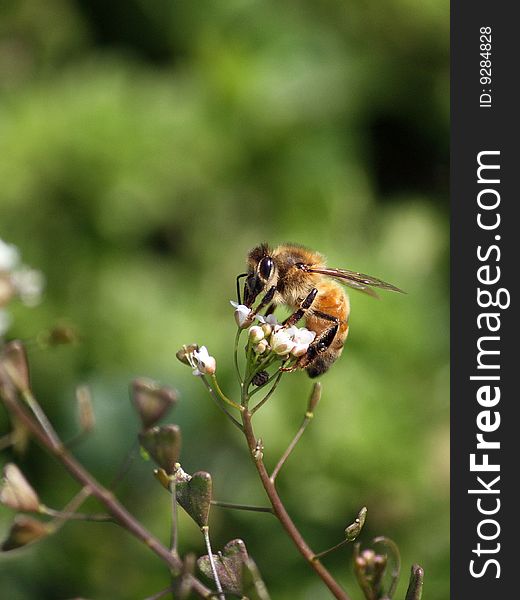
(297, 277)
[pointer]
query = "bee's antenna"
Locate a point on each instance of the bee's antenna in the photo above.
(238, 286)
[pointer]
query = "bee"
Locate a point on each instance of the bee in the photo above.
(299, 278)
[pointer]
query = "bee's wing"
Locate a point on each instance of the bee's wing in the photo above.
(357, 281)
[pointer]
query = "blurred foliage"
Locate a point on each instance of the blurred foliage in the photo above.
(146, 146)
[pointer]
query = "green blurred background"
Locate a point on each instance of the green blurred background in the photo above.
(146, 146)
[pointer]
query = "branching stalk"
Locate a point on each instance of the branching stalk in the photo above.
(282, 514)
(220, 405)
(307, 419)
(53, 444)
(264, 509)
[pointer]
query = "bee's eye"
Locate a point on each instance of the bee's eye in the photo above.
(265, 268)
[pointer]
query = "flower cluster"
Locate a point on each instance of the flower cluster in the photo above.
(272, 336)
(16, 281)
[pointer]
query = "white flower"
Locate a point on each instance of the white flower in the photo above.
(5, 321)
(242, 314)
(256, 334)
(202, 362)
(9, 256)
(299, 350)
(302, 338)
(269, 320)
(29, 285)
(281, 342)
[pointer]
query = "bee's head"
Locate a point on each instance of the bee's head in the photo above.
(261, 273)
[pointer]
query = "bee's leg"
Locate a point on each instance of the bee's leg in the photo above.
(320, 344)
(239, 277)
(268, 296)
(270, 309)
(300, 312)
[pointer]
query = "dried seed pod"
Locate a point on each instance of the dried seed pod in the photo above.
(163, 443)
(152, 400)
(24, 530)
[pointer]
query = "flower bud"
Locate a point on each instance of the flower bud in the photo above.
(354, 529)
(267, 329)
(261, 347)
(415, 586)
(256, 334)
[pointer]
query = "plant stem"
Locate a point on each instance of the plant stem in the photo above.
(265, 509)
(307, 419)
(31, 402)
(222, 395)
(235, 355)
(205, 533)
(329, 550)
(282, 514)
(269, 393)
(219, 404)
(160, 594)
(72, 516)
(121, 515)
(175, 522)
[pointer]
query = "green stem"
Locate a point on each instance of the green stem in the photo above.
(329, 550)
(223, 396)
(235, 355)
(264, 509)
(269, 394)
(307, 419)
(219, 404)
